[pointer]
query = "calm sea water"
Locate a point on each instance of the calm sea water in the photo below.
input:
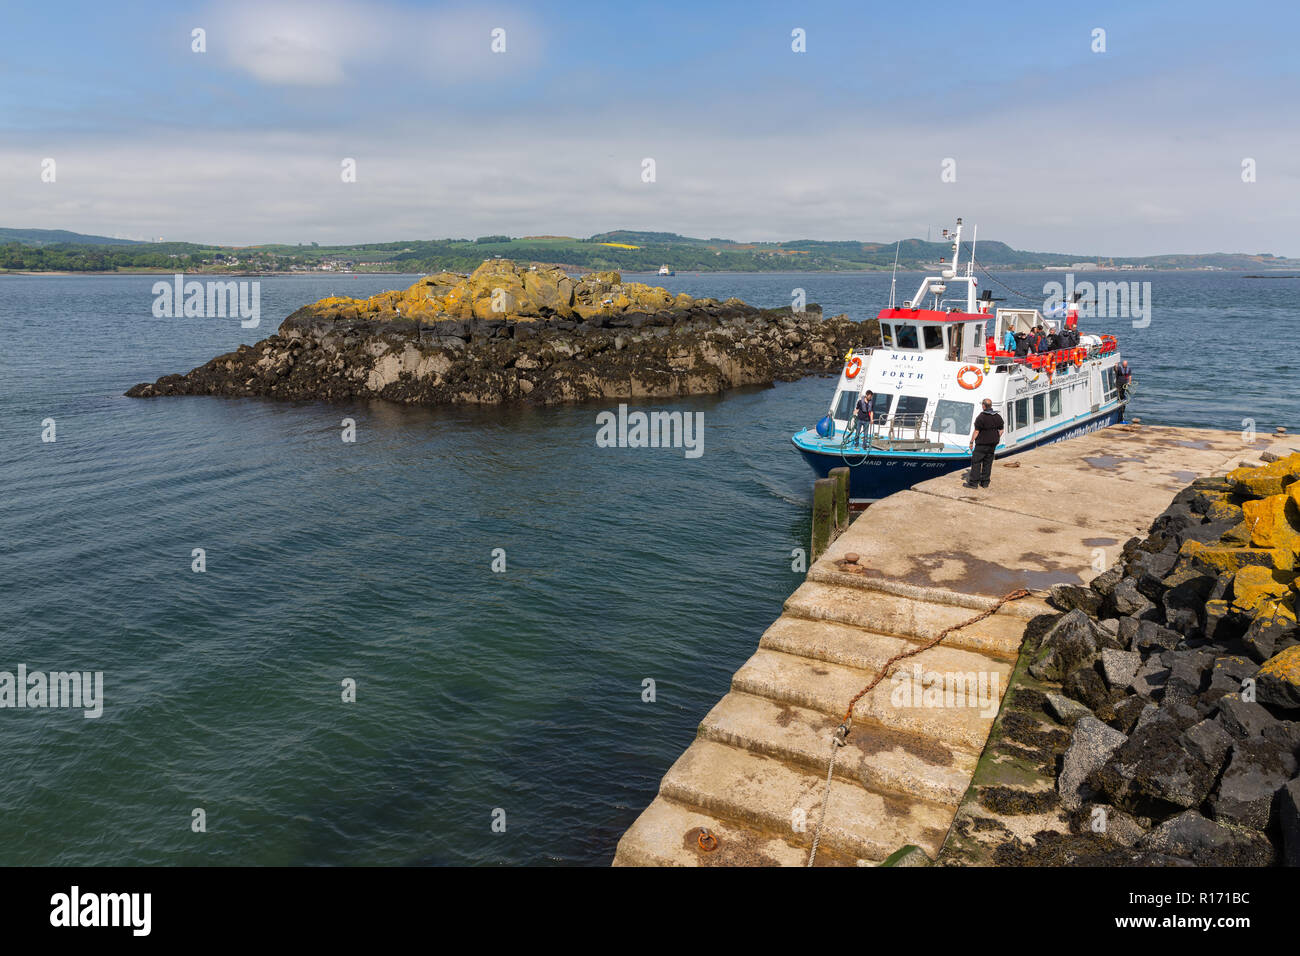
(477, 692)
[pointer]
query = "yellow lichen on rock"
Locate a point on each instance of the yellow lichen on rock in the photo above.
(502, 289)
(1273, 522)
(1229, 559)
(1265, 480)
(1254, 585)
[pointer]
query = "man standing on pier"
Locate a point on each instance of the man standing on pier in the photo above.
(988, 432)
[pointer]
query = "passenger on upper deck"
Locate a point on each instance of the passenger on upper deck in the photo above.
(1009, 341)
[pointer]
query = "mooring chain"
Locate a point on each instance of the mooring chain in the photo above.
(841, 735)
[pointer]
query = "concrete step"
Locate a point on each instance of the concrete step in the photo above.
(826, 571)
(895, 703)
(876, 757)
(769, 796)
(851, 646)
(997, 636)
(667, 834)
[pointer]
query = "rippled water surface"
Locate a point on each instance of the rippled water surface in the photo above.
(476, 691)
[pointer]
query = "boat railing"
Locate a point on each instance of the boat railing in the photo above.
(900, 425)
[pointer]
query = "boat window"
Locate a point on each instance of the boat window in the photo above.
(1110, 382)
(1040, 407)
(881, 405)
(886, 335)
(844, 404)
(933, 336)
(955, 417)
(1022, 414)
(911, 405)
(954, 343)
(1054, 402)
(907, 336)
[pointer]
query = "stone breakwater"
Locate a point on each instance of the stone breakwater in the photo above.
(512, 334)
(1157, 720)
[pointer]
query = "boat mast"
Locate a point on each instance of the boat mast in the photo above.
(893, 280)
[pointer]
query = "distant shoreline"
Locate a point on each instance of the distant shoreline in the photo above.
(1281, 273)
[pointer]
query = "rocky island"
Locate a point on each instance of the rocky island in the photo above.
(510, 333)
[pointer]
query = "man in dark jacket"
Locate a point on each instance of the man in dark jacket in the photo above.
(988, 432)
(863, 417)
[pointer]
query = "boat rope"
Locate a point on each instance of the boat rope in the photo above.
(841, 735)
(999, 281)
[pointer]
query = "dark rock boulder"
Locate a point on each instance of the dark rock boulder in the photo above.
(1256, 771)
(1119, 667)
(1153, 773)
(1242, 718)
(1091, 744)
(1277, 683)
(1149, 682)
(1209, 743)
(1125, 713)
(1266, 636)
(1128, 600)
(1288, 820)
(1186, 591)
(1104, 583)
(1074, 641)
(1153, 637)
(1084, 684)
(1068, 597)
(1066, 711)
(1191, 836)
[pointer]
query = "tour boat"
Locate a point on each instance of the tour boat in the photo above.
(933, 369)
(665, 271)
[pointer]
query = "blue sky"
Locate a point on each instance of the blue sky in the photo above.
(1137, 150)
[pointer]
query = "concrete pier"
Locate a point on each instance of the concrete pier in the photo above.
(930, 557)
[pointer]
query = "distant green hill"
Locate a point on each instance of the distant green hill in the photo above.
(37, 250)
(47, 237)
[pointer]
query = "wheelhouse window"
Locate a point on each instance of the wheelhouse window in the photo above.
(844, 405)
(953, 417)
(906, 337)
(886, 335)
(911, 405)
(933, 336)
(880, 405)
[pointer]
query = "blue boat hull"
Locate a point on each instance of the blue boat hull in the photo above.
(882, 473)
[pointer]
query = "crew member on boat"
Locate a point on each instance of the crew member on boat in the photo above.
(1123, 378)
(863, 416)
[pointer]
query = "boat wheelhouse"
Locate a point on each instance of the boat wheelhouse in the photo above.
(938, 359)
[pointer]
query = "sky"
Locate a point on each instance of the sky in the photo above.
(1048, 143)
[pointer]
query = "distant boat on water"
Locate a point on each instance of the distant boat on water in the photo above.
(665, 271)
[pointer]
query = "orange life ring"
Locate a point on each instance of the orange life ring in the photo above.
(979, 376)
(853, 367)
